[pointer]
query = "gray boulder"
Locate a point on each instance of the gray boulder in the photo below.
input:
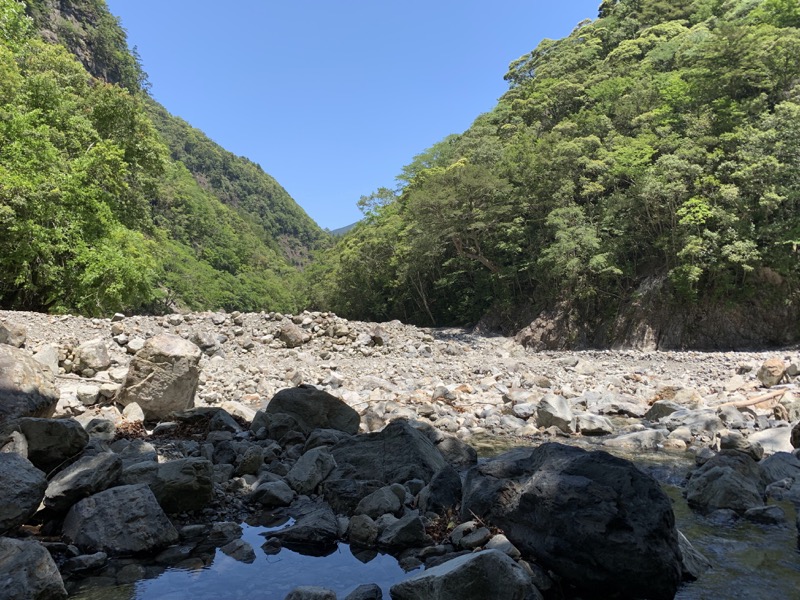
(122, 520)
(52, 441)
(589, 424)
(13, 335)
(92, 355)
(395, 454)
(406, 532)
(26, 388)
(730, 480)
(28, 572)
(363, 531)
(162, 377)
(454, 451)
(314, 409)
(367, 591)
(310, 470)
(292, 335)
(555, 411)
(271, 494)
(593, 519)
(316, 526)
(85, 477)
(180, 485)
(779, 466)
(478, 576)
(21, 491)
(345, 494)
(380, 502)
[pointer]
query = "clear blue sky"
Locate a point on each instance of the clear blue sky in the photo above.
(333, 98)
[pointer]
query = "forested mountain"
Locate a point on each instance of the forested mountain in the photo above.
(643, 171)
(107, 202)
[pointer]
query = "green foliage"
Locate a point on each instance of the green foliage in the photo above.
(659, 140)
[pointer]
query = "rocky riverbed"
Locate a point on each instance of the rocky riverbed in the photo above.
(365, 433)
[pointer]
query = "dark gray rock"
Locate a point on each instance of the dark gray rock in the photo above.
(379, 503)
(477, 576)
(344, 494)
(593, 519)
(324, 437)
(693, 563)
(22, 488)
(729, 480)
(52, 442)
(367, 591)
(454, 451)
(766, 515)
(83, 478)
(396, 454)
(734, 440)
(406, 532)
(310, 470)
(442, 493)
(122, 520)
(363, 531)
(779, 466)
(272, 494)
(184, 484)
(28, 572)
(26, 388)
(239, 550)
(314, 409)
(315, 526)
(85, 562)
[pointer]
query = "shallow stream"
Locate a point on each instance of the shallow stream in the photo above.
(750, 562)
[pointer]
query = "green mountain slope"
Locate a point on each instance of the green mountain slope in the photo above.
(109, 203)
(641, 172)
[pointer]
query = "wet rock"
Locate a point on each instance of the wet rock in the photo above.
(478, 576)
(28, 572)
(345, 494)
(729, 480)
(51, 442)
(316, 526)
(85, 477)
(26, 388)
(122, 520)
(591, 518)
(162, 377)
(21, 491)
(396, 454)
(314, 409)
(239, 550)
(693, 563)
(367, 591)
(309, 592)
(766, 515)
(363, 531)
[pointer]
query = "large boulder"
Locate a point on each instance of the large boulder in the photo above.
(51, 442)
(310, 469)
(13, 335)
(162, 377)
(28, 572)
(21, 491)
(478, 576)
(122, 520)
(93, 356)
(179, 485)
(85, 477)
(396, 454)
(26, 388)
(594, 519)
(314, 409)
(729, 480)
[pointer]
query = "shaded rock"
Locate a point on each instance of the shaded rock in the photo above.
(729, 480)
(478, 576)
(362, 530)
(454, 451)
(239, 550)
(367, 591)
(314, 409)
(85, 562)
(503, 544)
(122, 520)
(379, 503)
(316, 526)
(273, 494)
(733, 440)
(162, 377)
(771, 372)
(794, 436)
(21, 490)
(85, 477)
(442, 493)
(395, 454)
(406, 532)
(310, 469)
(324, 437)
(13, 335)
(779, 466)
(661, 409)
(52, 441)
(344, 494)
(766, 515)
(47, 356)
(184, 484)
(28, 572)
(26, 388)
(591, 518)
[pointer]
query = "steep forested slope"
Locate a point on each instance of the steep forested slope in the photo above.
(643, 168)
(107, 202)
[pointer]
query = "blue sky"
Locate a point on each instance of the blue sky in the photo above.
(333, 98)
